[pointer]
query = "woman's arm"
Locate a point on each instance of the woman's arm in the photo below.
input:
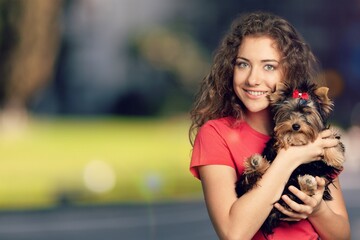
(241, 218)
(331, 220)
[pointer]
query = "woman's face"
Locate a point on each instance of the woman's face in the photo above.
(256, 72)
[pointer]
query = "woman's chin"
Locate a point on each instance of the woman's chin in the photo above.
(257, 109)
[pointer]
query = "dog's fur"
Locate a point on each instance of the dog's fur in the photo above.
(299, 114)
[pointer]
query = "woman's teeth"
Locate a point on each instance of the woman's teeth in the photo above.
(256, 93)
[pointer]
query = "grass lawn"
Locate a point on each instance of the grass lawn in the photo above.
(95, 160)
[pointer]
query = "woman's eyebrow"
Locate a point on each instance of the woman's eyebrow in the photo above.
(264, 60)
(242, 58)
(270, 60)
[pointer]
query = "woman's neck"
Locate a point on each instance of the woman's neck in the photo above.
(260, 121)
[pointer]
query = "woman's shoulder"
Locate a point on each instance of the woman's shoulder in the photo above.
(231, 127)
(224, 127)
(224, 122)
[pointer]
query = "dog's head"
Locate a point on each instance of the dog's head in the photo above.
(300, 112)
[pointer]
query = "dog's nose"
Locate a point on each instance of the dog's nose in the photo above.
(296, 127)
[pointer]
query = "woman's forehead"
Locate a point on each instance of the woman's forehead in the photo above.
(259, 48)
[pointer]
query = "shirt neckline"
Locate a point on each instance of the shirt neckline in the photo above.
(242, 123)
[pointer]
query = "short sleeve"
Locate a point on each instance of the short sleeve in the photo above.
(210, 148)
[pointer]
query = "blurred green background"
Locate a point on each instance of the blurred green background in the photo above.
(95, 94)
(91, 161)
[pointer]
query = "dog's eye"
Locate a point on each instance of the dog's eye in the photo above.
(306, 111)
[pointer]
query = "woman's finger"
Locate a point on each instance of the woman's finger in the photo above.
(325, 134)
(331, 142)
(327, 139)
(320, 182)
(290, 219)
(292, 215)
(296, 207)
(306, 199)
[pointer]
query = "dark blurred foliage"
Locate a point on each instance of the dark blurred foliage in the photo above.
(171, 64)
(147, 58)
(9, 11)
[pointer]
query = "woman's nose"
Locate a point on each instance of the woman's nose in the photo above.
(254, 78)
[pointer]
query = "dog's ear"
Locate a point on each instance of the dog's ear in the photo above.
(278, 94)
(324, 101)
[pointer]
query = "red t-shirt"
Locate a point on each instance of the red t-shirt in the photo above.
(229, 142)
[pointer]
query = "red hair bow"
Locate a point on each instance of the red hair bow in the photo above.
(297, 94)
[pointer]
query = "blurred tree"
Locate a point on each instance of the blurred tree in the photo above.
(29, 39)
(169, 63)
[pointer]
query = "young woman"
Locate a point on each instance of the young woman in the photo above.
(231, 121)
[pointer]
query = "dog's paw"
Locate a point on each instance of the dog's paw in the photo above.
(335, 156)
(307, 184)
(256, 163)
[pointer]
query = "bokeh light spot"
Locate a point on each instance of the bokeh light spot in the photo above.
(99, 177)
(153, 182)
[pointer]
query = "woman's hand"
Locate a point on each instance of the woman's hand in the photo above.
(311, 204)
(311, 151)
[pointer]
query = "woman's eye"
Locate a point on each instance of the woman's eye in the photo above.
(269, 68)
(242, 64)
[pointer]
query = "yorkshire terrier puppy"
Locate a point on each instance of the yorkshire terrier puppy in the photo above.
(299, 114)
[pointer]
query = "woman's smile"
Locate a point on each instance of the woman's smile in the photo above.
(253, 93)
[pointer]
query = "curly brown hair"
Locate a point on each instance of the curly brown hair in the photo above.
(216, 97)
